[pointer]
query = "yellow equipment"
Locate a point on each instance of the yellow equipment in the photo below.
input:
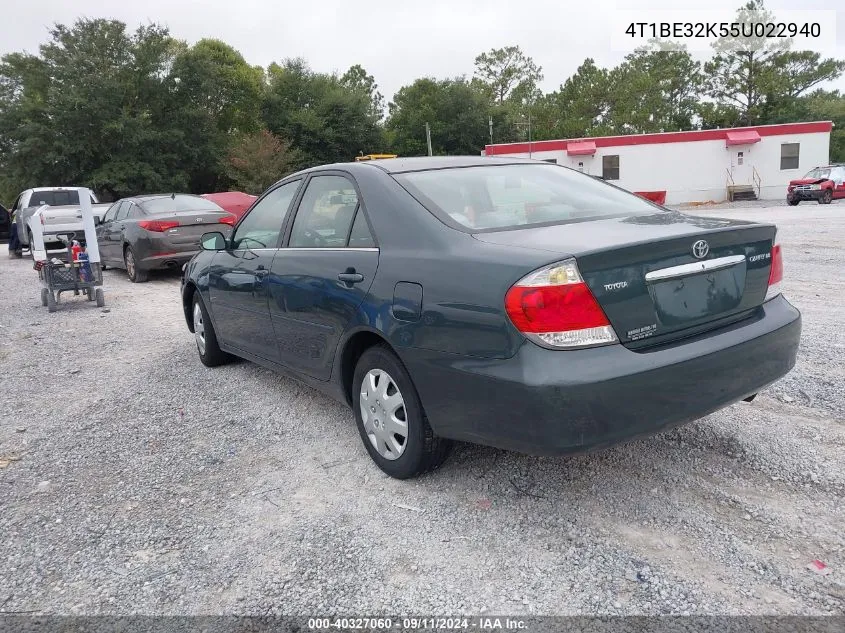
(375, 156)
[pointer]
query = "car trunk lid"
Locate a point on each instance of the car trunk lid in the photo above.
(186, 227)
(664, 276)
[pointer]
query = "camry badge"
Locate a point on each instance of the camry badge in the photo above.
(700, 249)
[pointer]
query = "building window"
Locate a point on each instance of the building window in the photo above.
(610, 167)
(789, 155)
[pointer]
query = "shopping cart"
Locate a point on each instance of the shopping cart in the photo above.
(81, 276)
(82, 272)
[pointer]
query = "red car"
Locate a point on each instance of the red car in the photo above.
(822, 184)
(235, 202)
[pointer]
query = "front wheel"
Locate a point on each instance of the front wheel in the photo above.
(206, 338)
(827, 197)
(791, 202)
(135, 274)
(390, 417)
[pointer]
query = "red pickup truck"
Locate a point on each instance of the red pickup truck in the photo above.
(822, 184)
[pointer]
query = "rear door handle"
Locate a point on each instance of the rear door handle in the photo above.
(350, 277)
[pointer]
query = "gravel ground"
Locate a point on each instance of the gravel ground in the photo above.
(145, 483)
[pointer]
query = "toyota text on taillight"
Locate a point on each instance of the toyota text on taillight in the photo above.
(554, 308)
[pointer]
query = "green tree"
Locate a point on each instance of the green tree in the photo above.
(218, 99)
(323, 118)
(93, 108)
(654, 90)
(746, 74)
(259, 159)
(456, 112)
(504, 70)
(357, 80)
(581, 107)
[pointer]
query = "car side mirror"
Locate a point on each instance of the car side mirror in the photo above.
(97, 220)
(213, 241)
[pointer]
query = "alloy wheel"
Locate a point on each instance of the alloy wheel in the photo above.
(130, 263)
(199, 328)
(383, 414)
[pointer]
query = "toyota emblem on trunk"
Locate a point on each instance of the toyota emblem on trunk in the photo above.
(700, 249)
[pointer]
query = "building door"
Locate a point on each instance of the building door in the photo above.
(741, 170)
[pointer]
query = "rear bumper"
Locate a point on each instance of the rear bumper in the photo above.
(165, 260)
(547, 402)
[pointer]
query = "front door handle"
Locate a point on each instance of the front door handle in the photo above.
(351, 277)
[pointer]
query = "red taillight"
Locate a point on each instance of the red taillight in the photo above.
(555, 308)
(228, 219)
(158, 226)
(775, 273)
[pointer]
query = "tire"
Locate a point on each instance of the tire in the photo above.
(827, 197)
(421, 451)
(792, 203)
(135, 274)
(99, 296)
(206, 338)
(51, 302)
(44, 294)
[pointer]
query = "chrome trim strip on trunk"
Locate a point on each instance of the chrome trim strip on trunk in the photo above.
(694, 268)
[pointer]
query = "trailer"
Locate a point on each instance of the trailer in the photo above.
(82, 272)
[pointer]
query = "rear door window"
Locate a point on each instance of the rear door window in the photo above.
(122, 211)
(325, 214)
(360, 235)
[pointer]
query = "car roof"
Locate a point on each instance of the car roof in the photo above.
(422, 163)
(417, 163)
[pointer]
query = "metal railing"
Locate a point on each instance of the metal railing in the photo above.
(758, 182)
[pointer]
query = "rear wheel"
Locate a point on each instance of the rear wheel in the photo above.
(100, 297)
(135, 274)
(206, 338)
(390, 417)
(827, 197)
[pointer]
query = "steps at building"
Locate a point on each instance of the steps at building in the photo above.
(741, 192)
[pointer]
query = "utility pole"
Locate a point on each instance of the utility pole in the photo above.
(428, 138)
(529, 131)
(491, 130)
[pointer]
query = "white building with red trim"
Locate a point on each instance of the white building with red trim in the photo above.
(696, 166)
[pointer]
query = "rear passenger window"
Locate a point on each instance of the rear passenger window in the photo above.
(360, 236)
(325, 213)
(123, 211)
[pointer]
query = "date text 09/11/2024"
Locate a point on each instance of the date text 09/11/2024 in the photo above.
(417, 624)
(681, 30)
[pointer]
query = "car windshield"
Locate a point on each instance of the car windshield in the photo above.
(170, 204)
(54, 198)
(493, 197)
(819, 172)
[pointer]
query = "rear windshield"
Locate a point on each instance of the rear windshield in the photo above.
(179, 203)
(819, 172)
(54, 198)
(493, 197)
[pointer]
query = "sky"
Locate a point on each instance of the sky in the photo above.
(396, 41)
